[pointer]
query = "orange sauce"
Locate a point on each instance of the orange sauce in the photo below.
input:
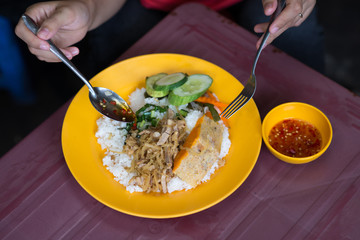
(295, 138)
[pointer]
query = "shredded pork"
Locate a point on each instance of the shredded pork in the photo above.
(153, 152)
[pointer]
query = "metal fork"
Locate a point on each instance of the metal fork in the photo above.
(248, 92)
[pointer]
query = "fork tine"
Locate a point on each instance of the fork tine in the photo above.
(239, 99)
(247, 94)
(238, 105)
(231, 105)
(244, 96)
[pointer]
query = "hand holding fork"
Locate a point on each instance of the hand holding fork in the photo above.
(247, 93)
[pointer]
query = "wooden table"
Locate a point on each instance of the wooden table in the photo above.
(40, 199)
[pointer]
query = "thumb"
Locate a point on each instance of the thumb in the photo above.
(51, 25)
(269, 6)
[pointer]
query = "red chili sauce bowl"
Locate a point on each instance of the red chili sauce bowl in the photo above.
(296, 132)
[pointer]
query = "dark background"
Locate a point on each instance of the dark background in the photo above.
(50, 85)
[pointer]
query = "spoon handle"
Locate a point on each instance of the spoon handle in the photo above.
(31, 25)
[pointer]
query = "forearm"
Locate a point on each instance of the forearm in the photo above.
(102, 10)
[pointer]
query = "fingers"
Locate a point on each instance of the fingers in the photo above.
(269, 6)
(307, 9)
(29, 38)
(51, 25)
(41, 48)
(50, 17)
(48, 56)
(289, 17)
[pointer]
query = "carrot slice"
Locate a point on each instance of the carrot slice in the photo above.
(211, 95)
(213, 100)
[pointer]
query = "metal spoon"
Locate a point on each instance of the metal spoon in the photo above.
(104, 100)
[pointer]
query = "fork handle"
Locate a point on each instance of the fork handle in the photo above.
(280, 6)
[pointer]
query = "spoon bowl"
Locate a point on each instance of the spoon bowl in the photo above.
(111, 105)
(104, 100)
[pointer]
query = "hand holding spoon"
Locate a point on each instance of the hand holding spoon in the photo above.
(104, 100)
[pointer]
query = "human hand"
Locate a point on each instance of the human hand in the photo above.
(293, 15)
(64, 22)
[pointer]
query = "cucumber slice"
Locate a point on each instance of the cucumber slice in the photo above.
(195, 86)
(149, 85)
(170, 81)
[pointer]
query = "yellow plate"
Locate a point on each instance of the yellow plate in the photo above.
(84, 156)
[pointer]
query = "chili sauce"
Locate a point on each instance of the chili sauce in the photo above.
(295, 138)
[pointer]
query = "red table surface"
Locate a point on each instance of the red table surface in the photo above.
(40, 199)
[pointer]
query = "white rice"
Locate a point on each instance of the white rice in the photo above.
(191, 119)
(112, 138)
(109, 136)
(137, 99)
